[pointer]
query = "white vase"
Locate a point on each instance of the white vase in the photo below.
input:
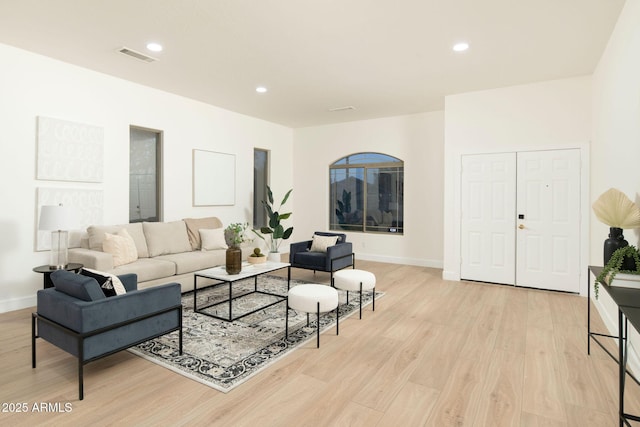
(274, 257)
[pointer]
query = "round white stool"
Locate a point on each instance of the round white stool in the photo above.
(312, 299)
(356, 280)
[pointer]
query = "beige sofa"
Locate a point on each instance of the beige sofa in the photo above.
(166, 251)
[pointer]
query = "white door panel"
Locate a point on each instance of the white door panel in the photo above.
(488, 220)
(548, 207)
(541, 249)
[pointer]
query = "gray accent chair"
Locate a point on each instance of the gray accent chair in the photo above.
(76, 316)
(337, 257)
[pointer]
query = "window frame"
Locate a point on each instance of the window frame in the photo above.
(344, 164)
(159, 173)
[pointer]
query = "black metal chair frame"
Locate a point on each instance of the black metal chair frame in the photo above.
(80, 337)
(353, 263)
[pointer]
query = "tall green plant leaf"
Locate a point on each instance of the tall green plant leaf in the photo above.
(286, 196)
(278, 232)
(287, 233)
(269, 195)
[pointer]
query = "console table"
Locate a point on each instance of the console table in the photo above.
(628, 302)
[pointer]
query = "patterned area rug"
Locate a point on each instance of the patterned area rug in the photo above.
(224, 354)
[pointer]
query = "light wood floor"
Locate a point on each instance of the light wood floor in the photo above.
(434, 353)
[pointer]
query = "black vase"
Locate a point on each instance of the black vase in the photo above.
(613, 243)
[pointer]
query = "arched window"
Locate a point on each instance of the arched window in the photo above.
(366, 192)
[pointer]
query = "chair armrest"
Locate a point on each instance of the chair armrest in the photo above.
(96, 260)
(130, 281)
(339, 251)
(87, 316)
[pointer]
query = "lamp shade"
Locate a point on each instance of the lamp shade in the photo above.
(57, 218)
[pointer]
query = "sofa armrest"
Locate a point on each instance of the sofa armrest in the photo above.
(96, 260)
(341, 251)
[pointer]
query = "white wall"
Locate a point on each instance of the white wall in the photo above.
(416, 139)
(33, 85)
(548, 115)
(615, 152)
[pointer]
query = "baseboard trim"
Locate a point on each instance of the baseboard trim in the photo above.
(431, 263)
(17, 303)
(451, 275)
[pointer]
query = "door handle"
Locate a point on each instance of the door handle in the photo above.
(521, 226)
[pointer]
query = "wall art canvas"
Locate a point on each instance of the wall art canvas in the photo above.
(214, 178)
(69, 151)
(89, 205)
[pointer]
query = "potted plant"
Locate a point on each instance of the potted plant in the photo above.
(257, 257)
(614, 209)
(276, 231)
(234, 235)
(623, 269)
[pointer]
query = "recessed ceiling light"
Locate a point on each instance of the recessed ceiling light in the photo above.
(154, 47)
(261, 89)
(460, 47)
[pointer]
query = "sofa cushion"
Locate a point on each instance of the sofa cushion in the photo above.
(166, 237)
(321, 243)
(77, 286)
(213, 239)
(195, 224)
(147, 269)
(96, 236)
(121, 246)
(109, 283)
(188, 262)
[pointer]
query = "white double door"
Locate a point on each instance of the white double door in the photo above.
(520, 222)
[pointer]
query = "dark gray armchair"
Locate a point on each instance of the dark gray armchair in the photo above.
(76, 316)
(336, 258)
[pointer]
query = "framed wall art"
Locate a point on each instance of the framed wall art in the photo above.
(69, 151)
(214, 178)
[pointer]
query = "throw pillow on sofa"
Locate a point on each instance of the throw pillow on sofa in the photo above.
(109, 283)
(195, 224)
(212, 239)
(164, 238)
(121, 246)
(95, 233)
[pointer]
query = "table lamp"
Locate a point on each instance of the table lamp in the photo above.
(58, 219)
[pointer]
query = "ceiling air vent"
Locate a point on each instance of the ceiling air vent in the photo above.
(132, 53)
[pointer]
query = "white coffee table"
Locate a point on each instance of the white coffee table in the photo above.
(248, 270)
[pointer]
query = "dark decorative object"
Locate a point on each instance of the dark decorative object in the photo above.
(614, 242)
(234, 260)
(234, 236)
(616, 210)
(623, 260)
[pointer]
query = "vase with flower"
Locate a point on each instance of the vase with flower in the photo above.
(234, 235)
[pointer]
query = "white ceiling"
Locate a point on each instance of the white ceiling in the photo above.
(385, 58)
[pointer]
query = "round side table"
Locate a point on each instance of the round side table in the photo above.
(44, 269)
